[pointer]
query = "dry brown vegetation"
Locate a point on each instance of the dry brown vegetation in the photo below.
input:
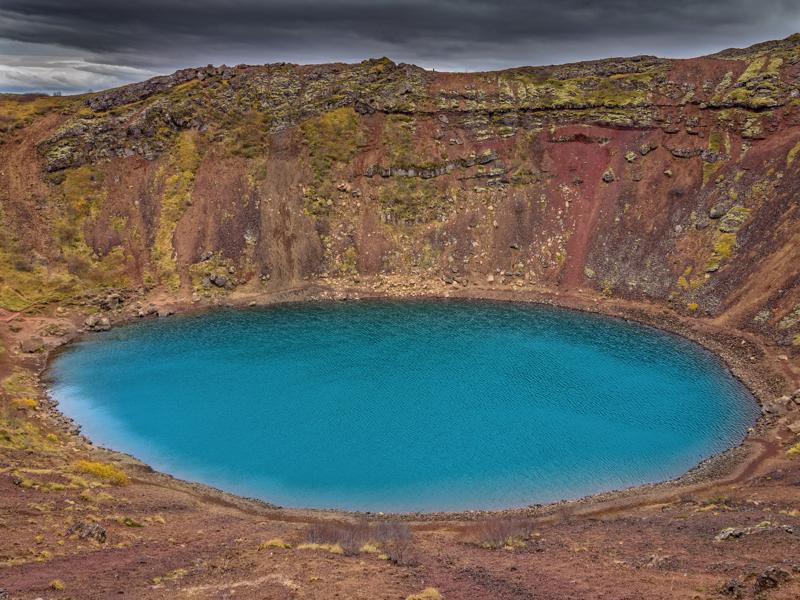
(497, 532)
(392, 538)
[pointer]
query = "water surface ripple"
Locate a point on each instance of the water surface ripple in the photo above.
(404, 405)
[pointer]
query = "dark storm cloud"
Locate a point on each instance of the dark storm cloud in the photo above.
(77, 44)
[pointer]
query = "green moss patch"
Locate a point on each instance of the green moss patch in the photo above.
(178, 179)
(410, 200)
(332, 139)
(333, 136)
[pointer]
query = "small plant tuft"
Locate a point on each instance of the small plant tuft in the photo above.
(428, 593)
(104, 471)
(25, 403)
(273, 543)
(129, 522)
(333, 548)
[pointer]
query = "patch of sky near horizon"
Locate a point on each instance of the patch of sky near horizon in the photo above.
(49, 46)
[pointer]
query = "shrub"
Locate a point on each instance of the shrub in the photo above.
(349, 536)
(396, 541)
(497, 533)
(106, 472)
(393, 538)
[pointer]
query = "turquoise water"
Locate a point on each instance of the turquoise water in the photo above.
(396, 406)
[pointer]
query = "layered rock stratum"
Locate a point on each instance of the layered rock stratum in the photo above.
(671, 181)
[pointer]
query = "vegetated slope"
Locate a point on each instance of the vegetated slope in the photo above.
(670, 181)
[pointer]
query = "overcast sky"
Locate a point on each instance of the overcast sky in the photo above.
(77, 45)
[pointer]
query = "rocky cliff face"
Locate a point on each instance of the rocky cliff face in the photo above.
(667, 181)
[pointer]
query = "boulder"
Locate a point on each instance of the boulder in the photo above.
(645, 149)
(138, 91)
(111, 302)
(685, 152)
(771, 578)
(701, 224)
(85, 530)
(733, 588)
(31, 345)
(729, 533)
(486, 157)
(717, 211)
(779, 406)
(147, 311)
(710, 156)
(363, 108)
(97, 322)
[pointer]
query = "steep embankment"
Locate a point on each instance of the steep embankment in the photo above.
(670, 181)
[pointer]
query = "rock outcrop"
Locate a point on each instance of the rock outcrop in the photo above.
(667, 181)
